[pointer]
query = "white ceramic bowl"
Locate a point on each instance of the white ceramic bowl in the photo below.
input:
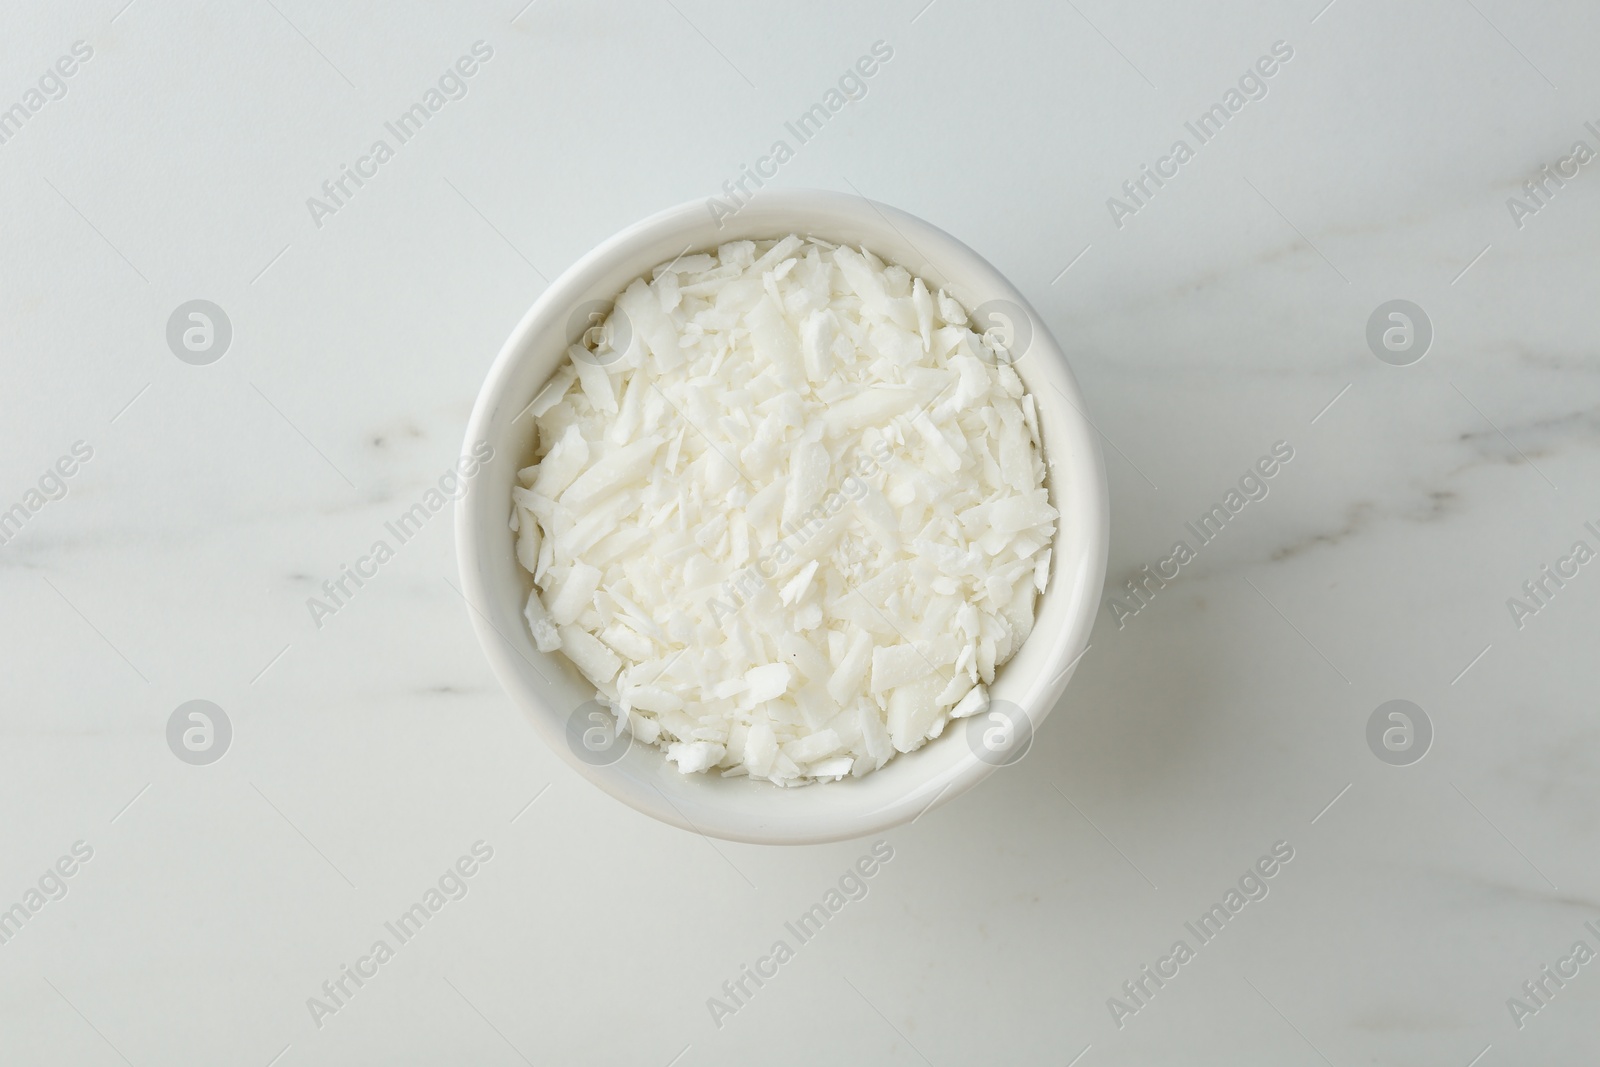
(549, 690)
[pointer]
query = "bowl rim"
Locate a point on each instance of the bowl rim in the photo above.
(1087, 483)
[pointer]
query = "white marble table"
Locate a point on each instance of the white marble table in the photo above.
(1227, 312)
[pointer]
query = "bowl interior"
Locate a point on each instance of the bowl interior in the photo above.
(549, 689)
